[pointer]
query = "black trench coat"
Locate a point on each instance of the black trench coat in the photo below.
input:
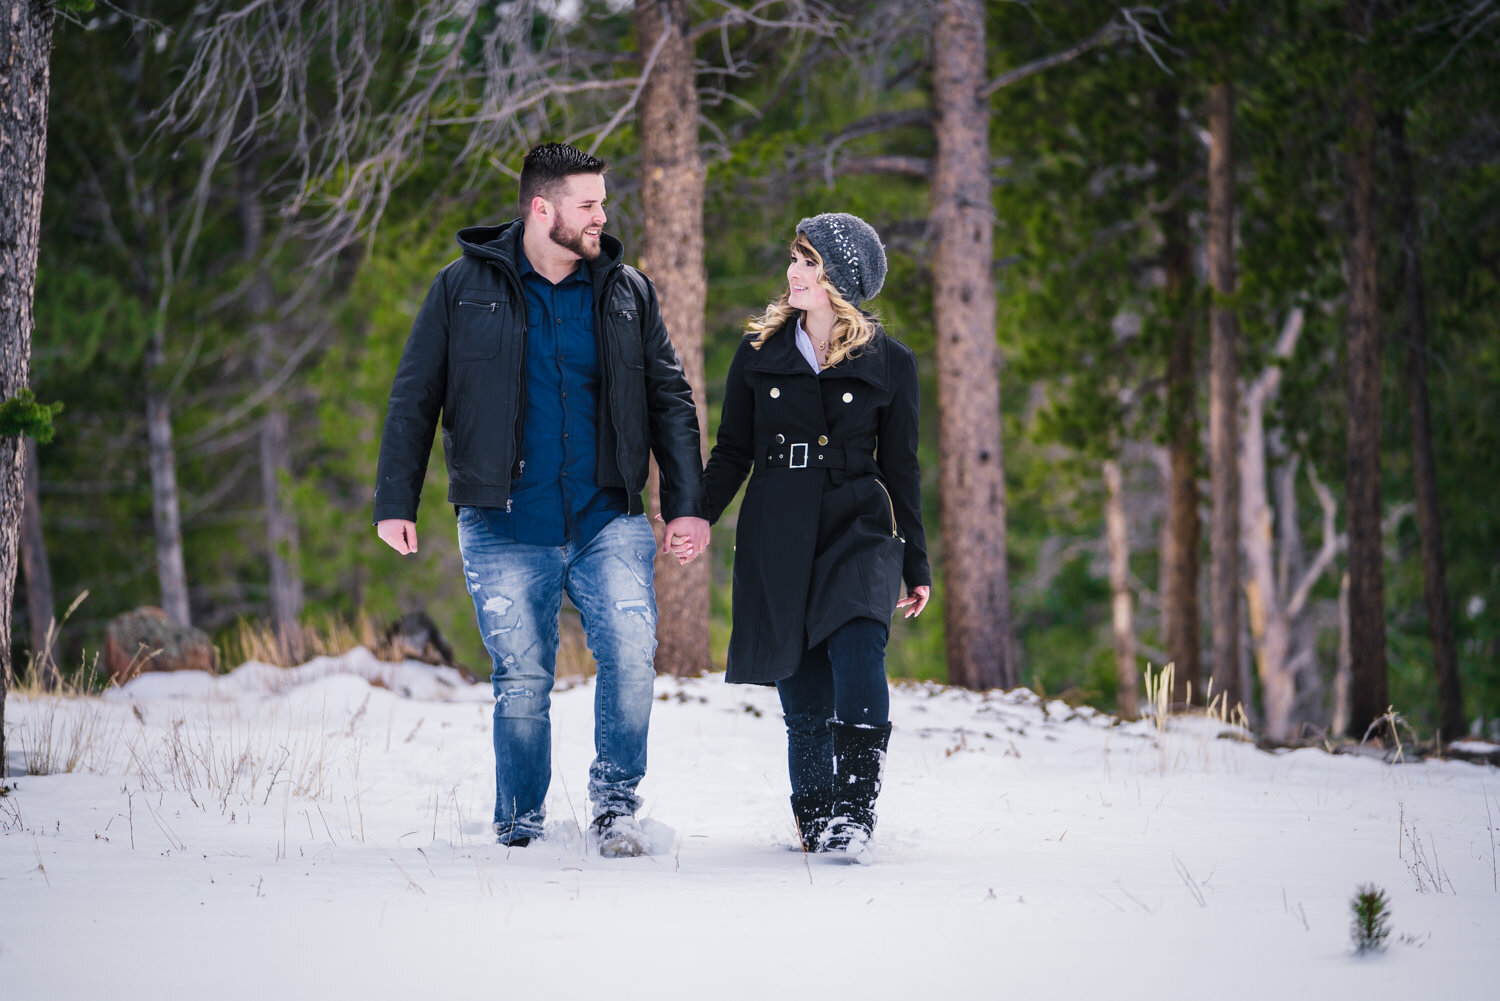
(832, 518)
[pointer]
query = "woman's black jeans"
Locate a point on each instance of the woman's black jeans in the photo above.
(844, 678)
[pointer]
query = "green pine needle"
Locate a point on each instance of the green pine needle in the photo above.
(1371, 924)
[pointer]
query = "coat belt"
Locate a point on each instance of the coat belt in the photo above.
(805, 455)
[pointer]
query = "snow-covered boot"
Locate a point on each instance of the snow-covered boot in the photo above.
(813, 815)
(858, 763)
(619, 835)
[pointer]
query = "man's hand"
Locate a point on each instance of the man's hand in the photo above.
(398, 534)
(915, 601)
(685, 537)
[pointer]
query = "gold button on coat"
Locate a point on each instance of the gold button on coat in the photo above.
(848, 397)
(775, 392)
(822, 439)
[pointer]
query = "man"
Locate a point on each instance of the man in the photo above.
(546, 359)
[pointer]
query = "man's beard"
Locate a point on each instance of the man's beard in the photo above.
(573, 240)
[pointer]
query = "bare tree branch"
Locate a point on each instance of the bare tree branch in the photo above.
(905, 166)
(1326, 554)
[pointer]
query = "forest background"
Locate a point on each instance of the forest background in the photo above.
(245, 203)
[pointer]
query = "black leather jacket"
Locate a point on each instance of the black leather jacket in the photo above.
(465, 363)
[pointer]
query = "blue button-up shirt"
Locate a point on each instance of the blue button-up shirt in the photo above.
(557, 498)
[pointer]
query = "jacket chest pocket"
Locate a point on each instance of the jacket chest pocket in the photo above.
(623, 318)
(479, 317)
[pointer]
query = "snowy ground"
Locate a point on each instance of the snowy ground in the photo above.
(309, 834)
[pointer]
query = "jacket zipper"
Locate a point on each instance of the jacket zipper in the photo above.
(895, 532)
(491, 306)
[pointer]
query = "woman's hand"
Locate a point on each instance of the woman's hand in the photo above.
(915, 601)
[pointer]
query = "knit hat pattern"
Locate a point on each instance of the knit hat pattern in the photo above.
(853, 258)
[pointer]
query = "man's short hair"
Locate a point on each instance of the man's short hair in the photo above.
(550, 163)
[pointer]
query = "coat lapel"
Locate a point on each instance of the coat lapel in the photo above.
(779, 356)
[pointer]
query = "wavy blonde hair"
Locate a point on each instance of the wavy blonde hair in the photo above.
(852, 329)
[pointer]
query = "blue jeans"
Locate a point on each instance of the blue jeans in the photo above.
(517, 591)
(841, 678)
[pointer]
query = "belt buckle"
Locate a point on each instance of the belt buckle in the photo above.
(792, 462)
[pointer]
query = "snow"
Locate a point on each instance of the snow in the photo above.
(323, 832)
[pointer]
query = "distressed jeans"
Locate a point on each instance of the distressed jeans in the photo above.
(517, 591)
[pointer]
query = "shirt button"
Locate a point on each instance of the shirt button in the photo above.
(775, 392)
(565, 434)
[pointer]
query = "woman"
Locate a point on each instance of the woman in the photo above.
(821, 410)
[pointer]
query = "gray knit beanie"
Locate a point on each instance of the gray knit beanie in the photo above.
(853, 258)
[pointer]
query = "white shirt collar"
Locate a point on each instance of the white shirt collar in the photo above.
(805, 345)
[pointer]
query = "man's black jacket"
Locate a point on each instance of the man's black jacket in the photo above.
(465, 362)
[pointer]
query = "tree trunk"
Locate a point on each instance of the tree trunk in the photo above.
(40, 603)
(274, 438)
(1117, 537)
(1292, 567)
(1339, 719)
(1368, 692)
(1180, 627)
(672, 180)
(972, 477)
(1424, 463)
(1270, 626)
(1223, 411)
(25, 49)
(165, 514)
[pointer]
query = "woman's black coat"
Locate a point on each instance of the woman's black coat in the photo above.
(826, 542)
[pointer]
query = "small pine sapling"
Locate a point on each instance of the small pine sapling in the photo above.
(1372, 915)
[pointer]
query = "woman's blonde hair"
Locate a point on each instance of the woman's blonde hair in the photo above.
(852, 329)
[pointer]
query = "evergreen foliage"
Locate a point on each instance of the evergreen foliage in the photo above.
(1084, 322)
(1370, 924)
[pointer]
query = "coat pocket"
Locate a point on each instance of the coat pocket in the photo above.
(479, 317)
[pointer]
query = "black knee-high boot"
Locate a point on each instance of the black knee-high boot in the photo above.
(858, 763)
(813, 816)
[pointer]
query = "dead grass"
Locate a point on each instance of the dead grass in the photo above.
(332, 636)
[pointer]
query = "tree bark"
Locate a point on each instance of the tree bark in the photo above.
(1292, 568)
(165, 513)
(1270, 623)
(274, 437)
(1339, 718)
(1117, 537)
(672, 182)
(1368, 691)
(1223, 416)
(1424, 462)
(25, 50)
(972, 477)
(1181, 626)
(40, 602)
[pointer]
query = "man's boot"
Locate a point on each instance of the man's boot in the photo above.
(858, 763)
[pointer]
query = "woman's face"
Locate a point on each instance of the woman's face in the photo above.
(804, 292)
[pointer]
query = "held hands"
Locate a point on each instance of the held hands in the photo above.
(398, 534)
(685, 537)
(915, 601)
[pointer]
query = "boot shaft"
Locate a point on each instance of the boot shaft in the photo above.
(858, 765)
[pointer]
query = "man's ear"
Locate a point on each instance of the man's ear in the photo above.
(539, 206)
